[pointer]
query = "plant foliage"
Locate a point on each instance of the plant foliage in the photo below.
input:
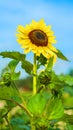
(45, 109)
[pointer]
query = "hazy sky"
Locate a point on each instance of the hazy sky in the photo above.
(58, 13)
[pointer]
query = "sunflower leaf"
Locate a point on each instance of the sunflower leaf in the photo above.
(12, 65)
(67, 118)
(41, 61)
(15, 75)
(13, 55)
(27, 66)
(49, 64)
(69, 127)
(61, 55)
(55, 109)
(34, 104)
(9, 93)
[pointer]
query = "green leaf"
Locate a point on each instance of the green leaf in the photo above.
(15, 75)
(3, 112)
(69, 127)
(41, 61)
(13, 55)
(60, 55)
(18, 123)
(36, 104)
(9, 93)
(8, 73)
(67, 79)
(19, 57)
(56, 109)
(27, 66)
(10, 68)
(12, 65)
(49, 64)
(67, 118)
(6, 92)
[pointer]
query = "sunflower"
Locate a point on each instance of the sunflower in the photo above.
(38, 38)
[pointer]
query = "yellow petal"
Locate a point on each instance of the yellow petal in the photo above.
(22, 36)
(49, 51)
(34, 22)
(27, 50)
(44, 53)
(42, 24)
(52, 40)
(55, 59)
(49, 33)
(41, 21)
(26, 43)
(40, 49)
(49, 27)
(19, 41)
(52, 48)
(38, 53)
(34, 48)
(25, 46)
(20, 28)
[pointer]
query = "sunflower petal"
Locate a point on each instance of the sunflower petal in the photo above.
(27, 50)
(40, 46)
(52, 48)
(20, 28)
(34, 22)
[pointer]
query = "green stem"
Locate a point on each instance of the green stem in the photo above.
(32, 125)
(68, 108)
(34, 75)
(19, 93)
(15, 102)
(8, 123)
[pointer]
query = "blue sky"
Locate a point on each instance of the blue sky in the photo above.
(58, 13)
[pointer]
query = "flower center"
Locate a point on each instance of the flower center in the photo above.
(38, 37)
